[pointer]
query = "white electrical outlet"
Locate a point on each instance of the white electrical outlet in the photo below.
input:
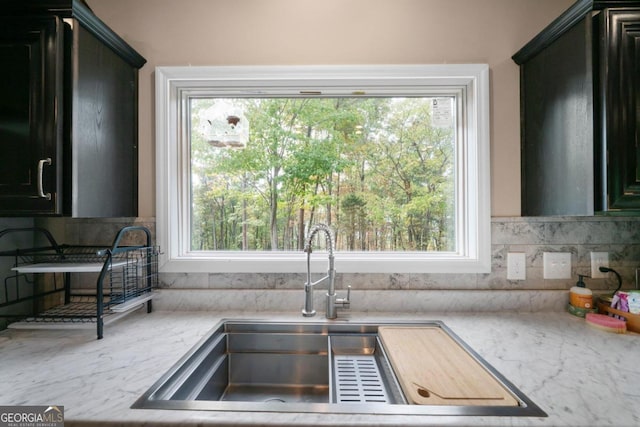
(599, 259)
(556, 265)
(516, 266)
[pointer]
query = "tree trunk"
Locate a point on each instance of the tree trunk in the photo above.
(273, 223)
(301, 229)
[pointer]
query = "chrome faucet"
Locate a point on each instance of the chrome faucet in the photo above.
(332, 299)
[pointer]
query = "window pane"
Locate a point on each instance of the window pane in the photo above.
(379, 170)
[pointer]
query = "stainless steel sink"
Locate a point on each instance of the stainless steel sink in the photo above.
(322, 367)
(266, 367)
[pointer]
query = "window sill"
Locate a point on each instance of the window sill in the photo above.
(295, 262)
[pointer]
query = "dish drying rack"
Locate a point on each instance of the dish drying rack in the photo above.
(126, 276)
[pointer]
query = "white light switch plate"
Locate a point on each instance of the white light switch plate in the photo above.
(516, 266)
(556, 265)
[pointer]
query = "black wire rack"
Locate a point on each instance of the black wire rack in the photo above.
(126, 276)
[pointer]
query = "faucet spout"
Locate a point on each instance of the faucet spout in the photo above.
(332, 300)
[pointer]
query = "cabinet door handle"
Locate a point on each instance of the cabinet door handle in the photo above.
(41, 164)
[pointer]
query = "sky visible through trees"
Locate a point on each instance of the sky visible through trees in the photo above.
(380, 171)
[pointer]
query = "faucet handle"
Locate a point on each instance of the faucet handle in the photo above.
(345, 302)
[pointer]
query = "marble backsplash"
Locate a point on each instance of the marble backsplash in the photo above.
(619, 236)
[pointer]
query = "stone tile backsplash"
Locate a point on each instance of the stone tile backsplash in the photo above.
(620, 236)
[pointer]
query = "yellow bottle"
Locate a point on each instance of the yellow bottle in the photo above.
(580, 296)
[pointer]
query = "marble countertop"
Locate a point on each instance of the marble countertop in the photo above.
(580, 376)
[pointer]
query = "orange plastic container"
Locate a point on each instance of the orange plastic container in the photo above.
(581, 300)
(580, 296)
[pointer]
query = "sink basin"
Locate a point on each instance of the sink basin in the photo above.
(321, 367)
(265, 367)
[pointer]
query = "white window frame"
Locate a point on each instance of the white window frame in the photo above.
(471, 81)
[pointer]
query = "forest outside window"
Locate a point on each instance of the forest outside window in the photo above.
(394, 159)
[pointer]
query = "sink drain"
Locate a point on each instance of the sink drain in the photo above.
(358, 379)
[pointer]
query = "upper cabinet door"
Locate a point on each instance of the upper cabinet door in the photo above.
(580, 104)
(619, 88)
(31, 129)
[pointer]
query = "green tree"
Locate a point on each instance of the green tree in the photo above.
(375, 168)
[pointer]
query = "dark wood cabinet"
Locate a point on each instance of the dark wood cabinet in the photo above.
(68, 116)
(619, 88)
(580, 112)
(31, 81)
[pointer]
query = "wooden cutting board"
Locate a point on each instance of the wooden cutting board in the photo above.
(435, 370)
